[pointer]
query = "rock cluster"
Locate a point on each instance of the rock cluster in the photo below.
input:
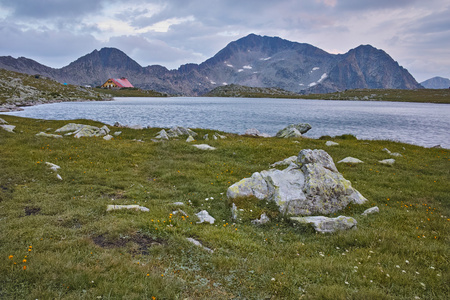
(311, 185)
(176, 132)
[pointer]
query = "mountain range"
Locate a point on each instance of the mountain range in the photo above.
(436, 83)
(255, 61)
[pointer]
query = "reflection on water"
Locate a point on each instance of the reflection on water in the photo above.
(422, 124)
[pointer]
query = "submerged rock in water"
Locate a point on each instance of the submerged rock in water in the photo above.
(312, 185)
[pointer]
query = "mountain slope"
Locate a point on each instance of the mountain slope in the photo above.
(255, 61)
(436, 83)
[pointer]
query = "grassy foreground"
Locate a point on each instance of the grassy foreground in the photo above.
(58, 242)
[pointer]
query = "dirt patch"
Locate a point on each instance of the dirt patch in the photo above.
(29, 210)
(137, 243)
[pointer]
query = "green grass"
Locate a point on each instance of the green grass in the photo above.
(76, 250)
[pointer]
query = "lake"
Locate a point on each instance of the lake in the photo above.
(423, 124)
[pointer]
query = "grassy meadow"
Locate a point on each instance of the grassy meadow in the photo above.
(58, 242)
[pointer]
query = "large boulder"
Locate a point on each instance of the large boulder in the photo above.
(312, 185)
(294, 130)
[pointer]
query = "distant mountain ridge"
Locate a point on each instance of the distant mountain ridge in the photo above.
(436, 83)
(255, 61)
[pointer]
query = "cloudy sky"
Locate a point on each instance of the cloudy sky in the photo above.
(416, 33)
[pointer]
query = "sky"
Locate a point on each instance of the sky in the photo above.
(415, 33)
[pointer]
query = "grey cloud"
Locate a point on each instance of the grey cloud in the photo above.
(44, 9)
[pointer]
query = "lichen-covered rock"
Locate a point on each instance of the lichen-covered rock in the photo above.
(327, 225)
(255, 186)
(350, 160)
(311, 186)
(81, 130)
(190, 139)
(293, 130)
(3, 121)
(285, 162)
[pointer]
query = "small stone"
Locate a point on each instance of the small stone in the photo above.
(285, 162)
(108, 137)
(204, 147)
(52, 166)
(57, 136)
(3, 121)
(327, 225)
(350, 160)
(262, 220)
(132, 206)
(59, 177)
(190, 139)
(206, 137)
(8, 128)
(117, 133)
(197, 243)
(371, 210)
(331, 143)
(204, 216)
(178, 203)
(389, 161)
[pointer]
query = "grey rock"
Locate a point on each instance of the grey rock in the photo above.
(219, 136)
(204, 147)
(262, 220)
(132, 206)
(301, 128)
(136, 127)
(108, 137)
(178, 203)
(197, 243)
(396, 154)
(162, 135)
(9, 128)
(371, 210)
(52, 166)
(3, 121)
(331, 143)
(350, 160)
(117, 124)
(70, 127)
(327, 225)
(311, 186)
(190, 139)
(285, 162)
(57, 136)
(289, 133)
(117, 133)
(252, 132)
(386, 150)
(389, 161)
(206, 137)
(59, 177)
(204, 216)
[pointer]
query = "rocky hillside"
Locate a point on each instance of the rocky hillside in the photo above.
(436, 83)
(18, 89)
(255, 61)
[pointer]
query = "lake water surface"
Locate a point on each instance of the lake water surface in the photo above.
(422, 124)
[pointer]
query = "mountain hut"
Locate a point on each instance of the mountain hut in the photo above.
(117, 83)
